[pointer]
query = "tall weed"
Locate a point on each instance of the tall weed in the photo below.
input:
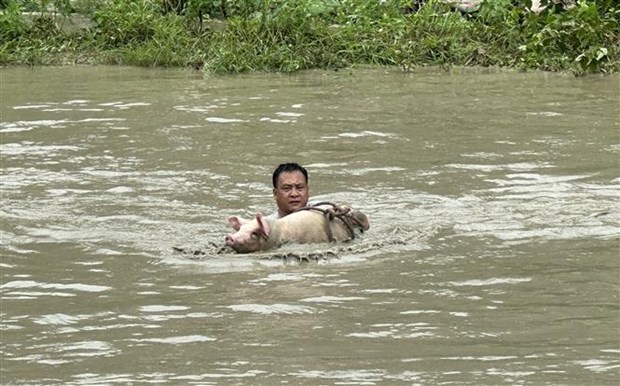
(285, 38)
(119, 23)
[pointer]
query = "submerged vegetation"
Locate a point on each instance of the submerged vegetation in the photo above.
(582, 36)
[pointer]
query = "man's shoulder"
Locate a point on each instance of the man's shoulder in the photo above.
(276, 215)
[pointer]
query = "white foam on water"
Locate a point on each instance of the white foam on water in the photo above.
(177, 339)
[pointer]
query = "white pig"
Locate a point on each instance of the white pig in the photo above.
(314, 225)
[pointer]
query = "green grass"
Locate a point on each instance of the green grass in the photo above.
(292, 35)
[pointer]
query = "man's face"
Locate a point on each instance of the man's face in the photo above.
(291, 192)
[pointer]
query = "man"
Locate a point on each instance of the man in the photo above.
(290, 188)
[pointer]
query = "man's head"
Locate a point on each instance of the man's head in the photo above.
(290, 187)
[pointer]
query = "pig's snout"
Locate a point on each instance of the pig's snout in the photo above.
(239, 244)
(230, 240)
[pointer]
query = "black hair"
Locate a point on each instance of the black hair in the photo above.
(288, 168)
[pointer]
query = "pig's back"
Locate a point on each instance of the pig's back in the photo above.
(311, 226)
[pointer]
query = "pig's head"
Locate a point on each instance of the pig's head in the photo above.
(361, 219)
(251, 236)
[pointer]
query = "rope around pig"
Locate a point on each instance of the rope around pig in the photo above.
(336, 212)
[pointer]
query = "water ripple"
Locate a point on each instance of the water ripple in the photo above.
(267, 309)
(73, 286)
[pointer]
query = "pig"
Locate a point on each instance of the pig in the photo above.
(316, 224)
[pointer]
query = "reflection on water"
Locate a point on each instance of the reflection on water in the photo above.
(491, 258)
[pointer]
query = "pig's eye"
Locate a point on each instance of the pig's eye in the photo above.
(254, 234)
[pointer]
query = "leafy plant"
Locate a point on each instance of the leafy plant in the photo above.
(575, 38)
(12, 25)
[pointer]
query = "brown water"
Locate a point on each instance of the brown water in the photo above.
(492, 258)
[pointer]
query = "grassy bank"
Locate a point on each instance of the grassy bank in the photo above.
(290, 35)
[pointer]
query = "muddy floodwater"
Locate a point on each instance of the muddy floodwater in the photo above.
(492, 257)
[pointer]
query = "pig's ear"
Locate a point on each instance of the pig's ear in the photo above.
(262, 224)
(236, 222)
